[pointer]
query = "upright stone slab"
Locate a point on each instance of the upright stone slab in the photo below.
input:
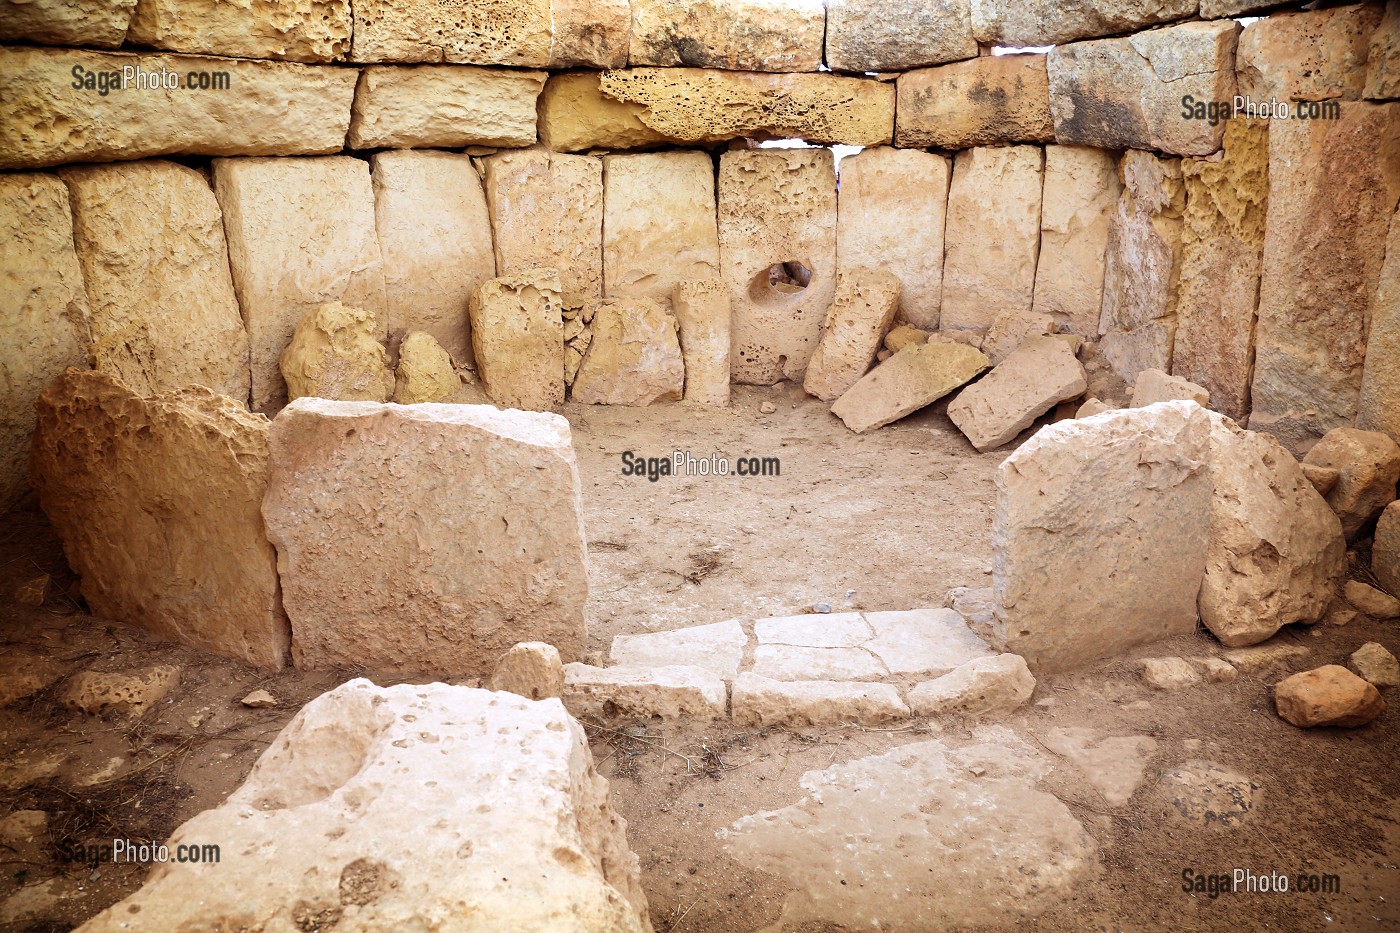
(1062, 597)
(157, 503)
(547, 212)
(91, 23)
(1383, 58)
(1379, 407)
(296, 31)
(862, 36)
(1334, 186)
(43, 312)
(991, 100)
(891, 211)
(777, 237)
(1033, 23)
(993, 236)
(1077, 204)
(634, 357)
(444, 106)
(1041, 373)
(518, 339)
(590, 33)
(1311, 56)
(703, 319)
(575, 114)
(498, 557)
(862, 310)
(739, 35)
(435, 236)
(659, 223)
(470, 32)
(150, 238)
(301, 232)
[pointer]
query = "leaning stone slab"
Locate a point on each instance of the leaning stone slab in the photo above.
(737, 35)
(718, 647)
(1385, 549)
(444, 106)
(288, 30)
(1078, 200)
(1153, 386)
(862, 36)
(473, 32)
(658, 204)
(914, 378)
(506, 560)
(862, 310)
(113, 471)
(992, 100)
(1046, 22)
(667, 692)
(389, 784)
(1027, 384)
(90, 23)
(634, 357)
(1379, 406)
(758, 701)
(704, 318)
(1368, 467)
(517, 328)
(1372, 601)
(1307, 56)
(981, 687)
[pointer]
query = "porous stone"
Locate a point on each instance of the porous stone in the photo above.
(718, 647)
(575, 114)
(1385, 549)
(1307, 56)
(129, 694)
(1062, 599)
(1168, 673)
(655, 205)
(667, 692)
(862, 309)
(703, 320)
(177, 479)
(799, 663)
(904, 335)
(1372, 663)
(267, 108)
(1379, 406)
(862, 36)
(777, 237)
(1128, 93)
(1153, 386)
(981, 687)
(992, 100)
(509, 563)
(891, 211)
(741, 35)
(444, 106)
(758, 701)
(531, 669)
(91, 23)
(1372, 601)
(388, 780)
(993, 235)
(471, 32)
(590, 33)
(335, 353)
(425, 372)
(1080, 194)
(298, 31)
(634, 357)
(1203, 795)
(1011, 329)
(1042, 373)
(1369, 466)
(518, 337)
(1046, 22)
(913, 378)
(43, 312)
(1327, 696)
(1383, 58)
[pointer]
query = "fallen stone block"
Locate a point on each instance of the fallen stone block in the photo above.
(758, 701)
(1079, 198)
(988, 101)
(666, 692)
(1327, 696)
(634, 357)
(794, 663)
(1046, 22)
(1385, 548)
(298, 31)
(862, 309)
(575, 115)
(336, 353)
(590, 33)
(1372, 663)
(703, 320)
(913, 378)
(981, 687)
(444, 106)
(1307, 56)
(531, 669)
(738, 35)
(508, 559)
(1383, 58)
(474, 32)
(1011, 329)
(1323, 479)
(425, 372)
(1153, 386)
(1369, 466)
(658, 204)
(718, 647)
(1339, 614)
(1379, 406)
(518, 339)
(862, 36)
(96, 23)
(1168, 673)
(1372, 601)
(129, 694)
(1027, 384)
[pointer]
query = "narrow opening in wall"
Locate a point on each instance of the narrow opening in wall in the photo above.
(780, 281)
(1013, 50)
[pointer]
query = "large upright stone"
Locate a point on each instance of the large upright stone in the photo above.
(1080, 194)
(659, 224)
(157, 503)
(151, 242)
(914, 378)
(91, 23)
(547, 212)
(777, 236)
(444, 106)
(1032, 23)
(891, 211)
(1383, 58)
(1062, 598)
(575, 114)
(739, 35)
(1333, 189)
(468, 32)
(634, 357)
(703, 319)
(1316, 55)
(862, 36)
(43, 312)
(991, 100)
(290, 30)
(1041, 373)
(1379, 406)
(518, 339)
(862, 309)
(590, 33)
(1130, 93)
(993, 235)
(498, 558)
(370, 791)
(252, 107)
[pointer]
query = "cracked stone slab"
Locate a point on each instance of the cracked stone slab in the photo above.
(788, 662)
(718, 647)
(834, 630)
(670, 692)
(757, 701)
(924, 641)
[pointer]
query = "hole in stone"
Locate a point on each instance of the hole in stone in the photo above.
(780, 281)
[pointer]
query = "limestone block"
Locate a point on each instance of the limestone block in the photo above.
(1323, 479)
(1317, 55)
(704, 318)
(267, 108)
(992, 100)
(1062, 599)
(696, 105)
(444, 106)
(1368, 464)
(335, 353)
(758, 701)
(718, 648)
(508, 560)
(1091, 407)
(91, 23)
(1379, 406)
(862, 36)
(1153, 386)
(777, 237)
(819, 630)
(1128, 93)
(1219, 9)
(862, 310)
(1327, 696)
(1372, 601)
(659, 223)
(924, 642)
(518, 338)
(157, 503)
(151, 242)
(634, 358)
(130, 694)
(470, 32)
(1168, 673)
(1010, 329)
(575, 114)
(913, 378)
(1080, 195)
(1027, 384)
(739, 35)
(891, 211)
(531, 669)
(1046, 22)
(547, 213)
(993, 235)
(590, 33)
(798, 663)
(902, 335)
(674, 692)
(434, 234)
(390, 784)
(1385, 549)
(981, 687)
(1372, 663)
(425, 372)
(43, 312)
(297, 31)
(1383, 58)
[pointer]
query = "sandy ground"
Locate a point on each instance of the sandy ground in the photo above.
(894, 520)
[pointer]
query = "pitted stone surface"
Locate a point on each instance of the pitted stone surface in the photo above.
(718, 647)
(742, 35)
(290, 30)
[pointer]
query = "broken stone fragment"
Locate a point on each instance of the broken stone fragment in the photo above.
(1091, 407)
(1042, 373)
(668, 692)
(1375, 665)
(531, 669)
(1372, 601)
(425, 372)
(758, 701)
(1168, 673)
(1215, 670)
(904, 335)
(1369, 464)
(130, 694)
(33, 592)
(336, 353)
(1323, 479)
(862, 310)
(703, 321)
(1327, 696)
(1153, 386)
(981, 687)
(259, 699)
(518, 339)
(634, 356)
(1010, 329)
(913, 378)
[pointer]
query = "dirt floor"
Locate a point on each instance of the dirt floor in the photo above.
(887, 521)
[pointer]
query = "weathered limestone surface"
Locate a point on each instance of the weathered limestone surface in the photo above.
(717, 647)
(390, 784)
(980, 687)
(756, 701)
(157, 503)
(518, 338)
(1079, 197)
(984, 101)
(915, 377)
(444, 106)
(289, 30)
(862, 310)
(301, 232)
(336, 353)
(1127, 93)
(1385, 550)
(269, 108)
(1155, 386)
(1383, 58)
(1010, 329)
(1334, 186)
(893, 204)
(1042, 373)
(506, 556)
(668, 691)
(777, 217)
(740, 35)
(862, 36)
(468, 32)
(1377, 666)
(1061, 598)
(130, 694)
(574, 115)
(1375, 603)
(634, 358)
(151, 242)
(1047, 22)
(1368, 464)
(590, 33)
(1327, 696)
(703, 105)
(659, 223)
(993, 235)
(1379, 406)
(531, 669)
(425, 372)
(89, 23)
(435, 236)
(547, 212)
(1317, 55)
(43, 312)
(704, 317)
